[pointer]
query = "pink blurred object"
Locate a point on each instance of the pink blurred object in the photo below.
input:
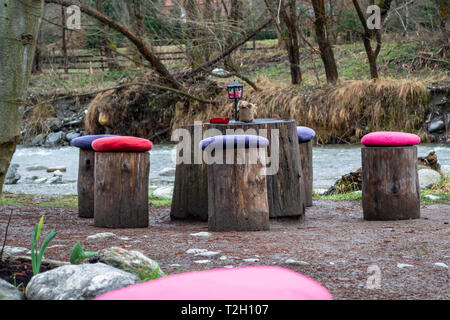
(390, 139)
(242, 283)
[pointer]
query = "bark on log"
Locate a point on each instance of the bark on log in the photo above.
(19, 27)
(121, 189)
(390, 187)
(86, 183)
(285, 187)
(307, 169)
(237, 195)
(190, 194)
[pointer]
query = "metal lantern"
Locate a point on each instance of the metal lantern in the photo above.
(235, 92)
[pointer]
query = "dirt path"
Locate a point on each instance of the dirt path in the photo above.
(334, 240)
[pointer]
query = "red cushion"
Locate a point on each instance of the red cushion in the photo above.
(122, 144)
(390, 138)
(219, 120)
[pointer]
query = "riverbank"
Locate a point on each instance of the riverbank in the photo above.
(330, 162)
(333, 246)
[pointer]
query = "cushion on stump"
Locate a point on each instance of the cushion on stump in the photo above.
(390, 139)
(242, 283)
(232, 141)
(122, 144)
(305, 134)
(85, 142)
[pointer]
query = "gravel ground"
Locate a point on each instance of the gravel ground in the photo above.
(337, 245)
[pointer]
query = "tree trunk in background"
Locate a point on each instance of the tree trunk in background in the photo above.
(64, 41)
(368, 34)
(444, 16)
(326, 51)
(19, 27)
(235, 19)
(135, 22)
(289, 16)
(106, 42)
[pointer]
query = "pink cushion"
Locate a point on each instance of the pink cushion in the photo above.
(122, 144)
(243, 283)
(390, 138)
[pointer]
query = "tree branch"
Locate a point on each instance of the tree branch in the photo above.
(228, 51)
(155, 62)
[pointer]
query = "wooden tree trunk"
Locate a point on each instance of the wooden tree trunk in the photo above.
(390, 187)
(285, 187)
(237, 195)
(307, 169)
(121, 189)
(86, 182)
(19, 27)
(190, 194)
(326, 51)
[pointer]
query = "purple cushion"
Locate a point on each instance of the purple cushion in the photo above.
(305, 134)
(232, 141)
(390, 139)
(85, 142)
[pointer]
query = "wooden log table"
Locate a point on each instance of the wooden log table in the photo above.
(285, 187)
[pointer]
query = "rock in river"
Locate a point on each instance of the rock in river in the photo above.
(12, 176)
(78, 282)
(54, 139)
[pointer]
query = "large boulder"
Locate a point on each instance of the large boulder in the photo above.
(131, 261)
(54, 139)
(428, 178)
(78, 282)
(9, 292)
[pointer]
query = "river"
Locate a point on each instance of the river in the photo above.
(329, 163)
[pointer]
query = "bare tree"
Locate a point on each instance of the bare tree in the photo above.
(326, 51)
(286, 20)
(105, 42)
(369, 34)
(19, 26)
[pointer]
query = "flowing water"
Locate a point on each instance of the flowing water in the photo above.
(329, 163)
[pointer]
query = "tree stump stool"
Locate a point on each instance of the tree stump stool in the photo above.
(305, 136)
(122, 167)
(284, 186)
(190, 193)
(237, 186)
(85, 182)
(390, 182)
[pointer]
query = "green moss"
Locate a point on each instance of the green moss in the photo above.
(159, 202)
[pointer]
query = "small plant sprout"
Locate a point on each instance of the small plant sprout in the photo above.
(78, 254)
(36, 253)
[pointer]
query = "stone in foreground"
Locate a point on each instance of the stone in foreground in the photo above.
(78, 282)
(9, 292)
(131, 261)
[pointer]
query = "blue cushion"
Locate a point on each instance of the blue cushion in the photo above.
(232, 141)
(85, 142)
(305, 134)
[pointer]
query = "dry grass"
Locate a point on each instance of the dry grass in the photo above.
(341, 113)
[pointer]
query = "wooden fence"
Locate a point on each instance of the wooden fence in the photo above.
(98, 60)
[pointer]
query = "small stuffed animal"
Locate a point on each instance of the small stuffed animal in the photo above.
(247, 111)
